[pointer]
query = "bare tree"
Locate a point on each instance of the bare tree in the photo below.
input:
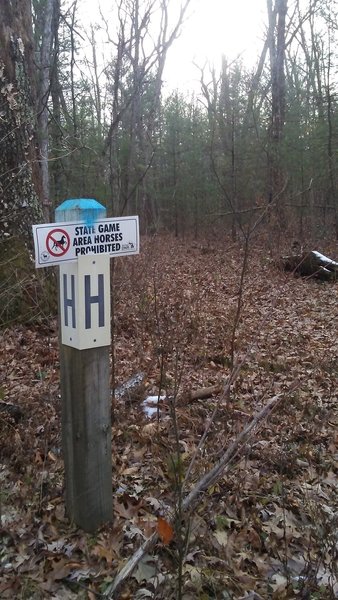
(311, 79)
(45, 57)
(136, 83)
(277, 31)
(331, 163)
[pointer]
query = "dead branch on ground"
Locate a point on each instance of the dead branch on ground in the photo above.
(209, 479)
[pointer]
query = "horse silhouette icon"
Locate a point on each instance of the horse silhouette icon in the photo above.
(61, 243)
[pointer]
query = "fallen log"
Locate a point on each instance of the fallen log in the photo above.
(132, 389)
(313, 264)
(205, 392)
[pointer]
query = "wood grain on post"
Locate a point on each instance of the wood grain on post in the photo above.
(86, 411)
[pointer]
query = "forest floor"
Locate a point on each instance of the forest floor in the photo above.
(268, 527)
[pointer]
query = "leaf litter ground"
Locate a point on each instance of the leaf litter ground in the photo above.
(268, 528)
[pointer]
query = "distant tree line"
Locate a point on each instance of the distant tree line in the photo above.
(75, 123)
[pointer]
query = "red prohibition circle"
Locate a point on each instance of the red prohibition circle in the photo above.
(57, 242)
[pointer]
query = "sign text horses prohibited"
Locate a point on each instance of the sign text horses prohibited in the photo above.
(56, 243)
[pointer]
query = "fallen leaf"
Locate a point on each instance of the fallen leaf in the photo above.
(221, 536)
(146, 569)
(165, 530)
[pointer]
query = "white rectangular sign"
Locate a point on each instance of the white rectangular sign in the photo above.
(56, 243)
(85, 302)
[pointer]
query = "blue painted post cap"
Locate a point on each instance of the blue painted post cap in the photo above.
(88, 210)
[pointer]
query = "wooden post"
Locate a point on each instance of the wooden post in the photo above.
(81, 242)
(85, 392)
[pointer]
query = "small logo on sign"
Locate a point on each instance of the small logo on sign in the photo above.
(44, 256)
(129, 246)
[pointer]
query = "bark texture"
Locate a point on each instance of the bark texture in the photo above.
(20, 178)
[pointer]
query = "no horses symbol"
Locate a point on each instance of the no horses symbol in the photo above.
(57, 242)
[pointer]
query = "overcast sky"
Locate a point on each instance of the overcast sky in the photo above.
(211, 28)
(216, 27)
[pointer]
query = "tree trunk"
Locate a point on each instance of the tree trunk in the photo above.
(332, 185)
(20, 177)
(55, 129)
(277, 60)
(44, 90)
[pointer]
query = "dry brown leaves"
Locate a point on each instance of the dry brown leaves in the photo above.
(266, 530)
